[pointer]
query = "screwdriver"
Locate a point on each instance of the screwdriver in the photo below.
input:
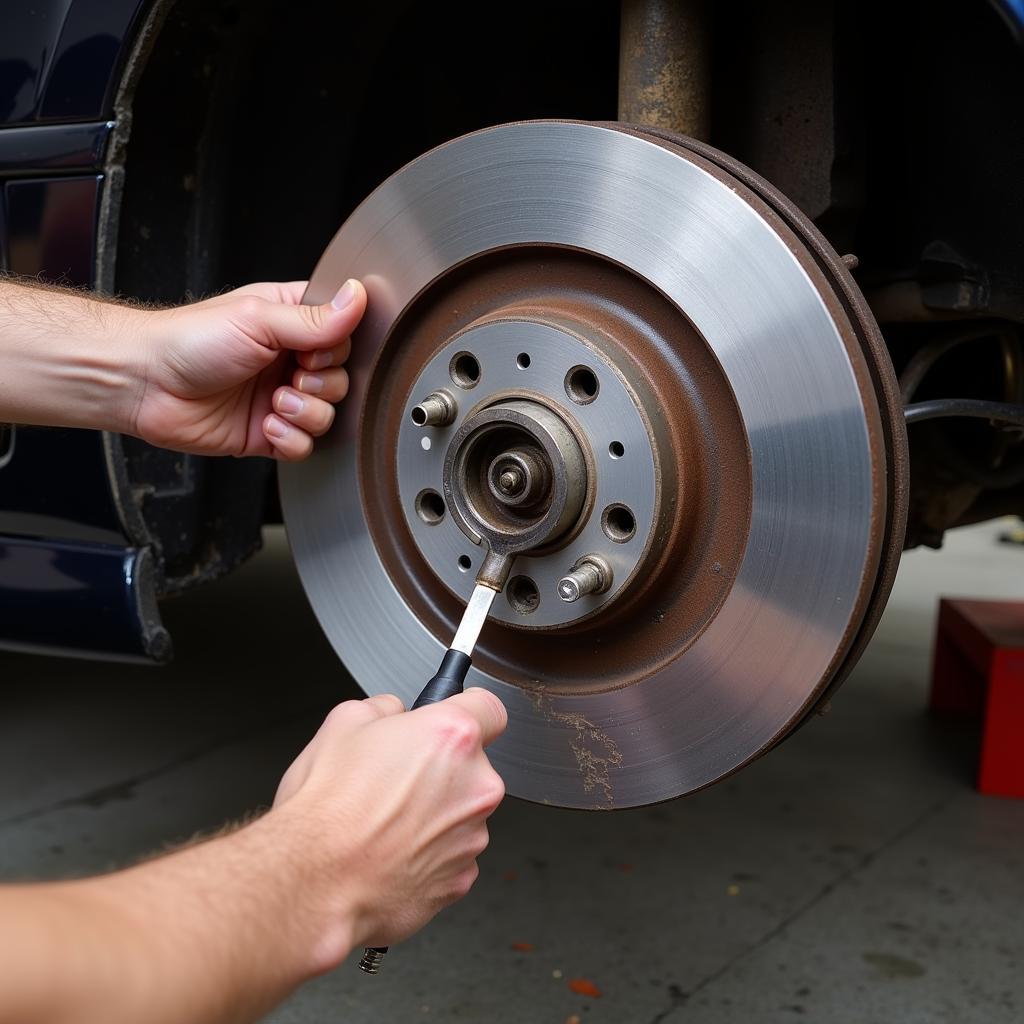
(449, 680)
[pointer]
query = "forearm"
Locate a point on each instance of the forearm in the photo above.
(69, 360)
(216, 933)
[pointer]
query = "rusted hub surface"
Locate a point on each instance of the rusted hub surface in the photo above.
(550, 409)
(686, 482)
(732, 574)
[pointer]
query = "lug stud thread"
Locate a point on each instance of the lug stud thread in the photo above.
(371, 959)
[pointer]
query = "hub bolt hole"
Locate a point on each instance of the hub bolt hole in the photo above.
(618, 523)
(523, 360)
(581, 385)
(523, 595)
(430, 507)
(465, 370)
(616, 449)
(465, 563)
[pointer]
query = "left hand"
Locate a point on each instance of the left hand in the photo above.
(250, 372)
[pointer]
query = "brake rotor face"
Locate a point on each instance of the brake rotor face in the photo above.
(764, 487)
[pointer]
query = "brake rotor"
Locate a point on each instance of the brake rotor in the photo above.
(644, 323)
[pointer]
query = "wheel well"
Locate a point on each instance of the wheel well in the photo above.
(256, 128)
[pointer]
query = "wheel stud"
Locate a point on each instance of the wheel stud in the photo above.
(591, 575)
(438, 409)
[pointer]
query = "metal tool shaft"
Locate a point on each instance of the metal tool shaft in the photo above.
(473, 619)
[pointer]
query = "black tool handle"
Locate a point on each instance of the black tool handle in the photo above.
(449, 680)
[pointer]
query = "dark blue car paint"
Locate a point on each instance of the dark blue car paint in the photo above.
(71, 580)
(70, 506)
(60, 59)
(3, 227)
(67, 590)
(38, 149)
(51, 226)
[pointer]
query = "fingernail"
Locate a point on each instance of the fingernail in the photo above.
(289, 403)
(345, 295)
(311, 383)
(276, 427)
(320, 360)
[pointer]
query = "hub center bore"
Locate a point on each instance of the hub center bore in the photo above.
(519, 478)
(515, 479)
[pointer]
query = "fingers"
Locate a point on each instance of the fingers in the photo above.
(321, 358)
(298, 417)
(310, 414)
(289, 442)
(284, 325)
(385, 704)
(490, 791)
(330, 385)
(272, 314)
(488, 712)
(304, 411)
(463, 882)
(359, 712)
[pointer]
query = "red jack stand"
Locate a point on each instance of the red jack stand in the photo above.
(979, 667)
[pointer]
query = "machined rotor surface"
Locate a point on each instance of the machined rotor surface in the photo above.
(662, 718)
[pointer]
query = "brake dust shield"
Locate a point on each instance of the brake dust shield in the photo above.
(722, 385)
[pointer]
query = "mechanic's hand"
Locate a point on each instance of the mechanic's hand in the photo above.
(392, 807)
(250, 372)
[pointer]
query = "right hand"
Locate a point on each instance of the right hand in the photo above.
(394, 806)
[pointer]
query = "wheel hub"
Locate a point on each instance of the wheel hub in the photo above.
(515, 477)
(538, 405)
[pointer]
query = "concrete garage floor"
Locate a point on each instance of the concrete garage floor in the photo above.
(853, 875)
